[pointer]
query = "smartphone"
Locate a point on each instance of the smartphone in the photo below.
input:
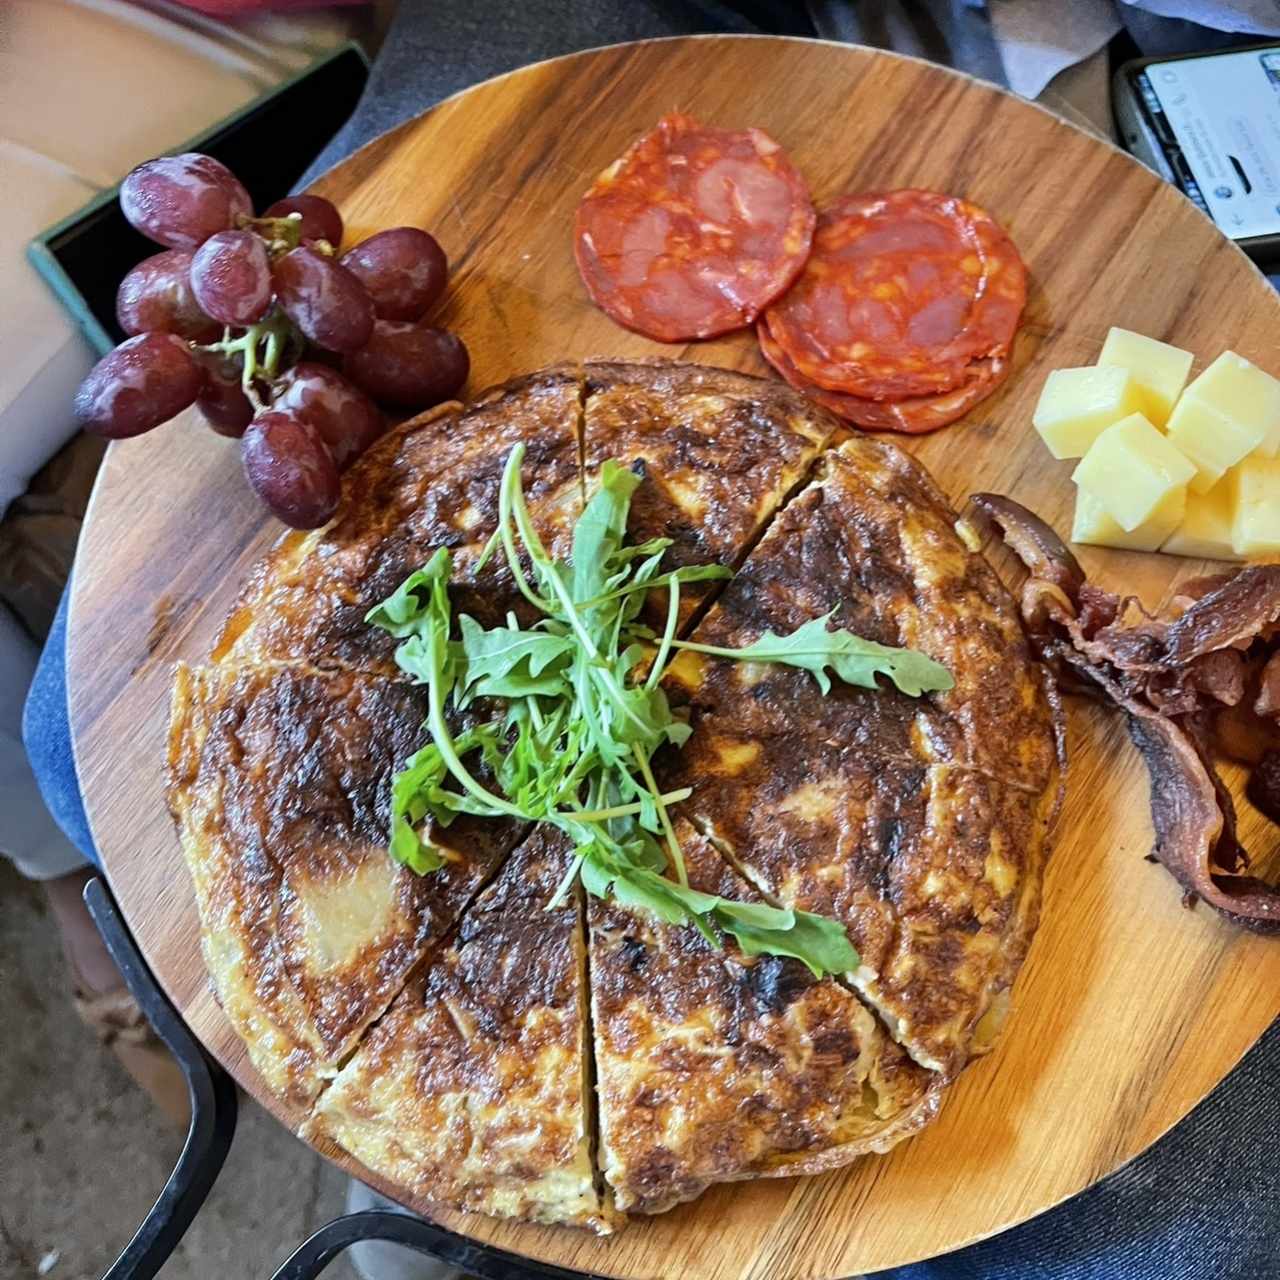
(1210, 124)
(268, 145)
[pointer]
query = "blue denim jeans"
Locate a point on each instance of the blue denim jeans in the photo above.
(1204, 1202)
(46, 731)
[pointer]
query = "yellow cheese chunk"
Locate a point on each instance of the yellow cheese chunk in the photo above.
(1078, 405)
(1255, 525)
(1238, 389)
(1158, 369)
(1206, 526)
(1214, 439)
(1130, 469)
(1093, 525)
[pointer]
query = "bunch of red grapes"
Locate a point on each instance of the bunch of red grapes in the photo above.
(276, 338)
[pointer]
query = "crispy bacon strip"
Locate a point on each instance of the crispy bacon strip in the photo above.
(1170, 677)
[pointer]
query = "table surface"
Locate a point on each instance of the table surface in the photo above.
(1130, 1008)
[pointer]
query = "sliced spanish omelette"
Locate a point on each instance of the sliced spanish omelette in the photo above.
(921, 824)
(472, 1090)
(713, 1066)
(279, 781)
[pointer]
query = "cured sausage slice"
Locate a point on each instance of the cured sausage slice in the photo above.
(914, 415)
(694, 231)
(904, 291)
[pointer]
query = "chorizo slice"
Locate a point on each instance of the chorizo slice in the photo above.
(694, 231)
(914, 415)
(906, 293)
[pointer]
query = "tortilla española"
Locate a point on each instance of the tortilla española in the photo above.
(574, 1065)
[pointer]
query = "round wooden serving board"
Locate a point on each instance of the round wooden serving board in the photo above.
(1130, 1008)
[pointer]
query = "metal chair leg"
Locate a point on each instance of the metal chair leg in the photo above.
(210, 1089)
(315, 1254)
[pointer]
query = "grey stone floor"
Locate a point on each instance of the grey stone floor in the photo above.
(83, 1153)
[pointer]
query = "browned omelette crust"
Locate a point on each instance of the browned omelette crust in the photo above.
(279, 781)
(719, 451)
(430, 483)
(713, 1066)
(922, 824)
(471, 1091)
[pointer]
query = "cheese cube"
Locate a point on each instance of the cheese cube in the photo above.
(1078, 405)
(1255, 526)
(1206, 526)
(1240, 390)
(1130, 470)
(1212, 438)
(1093, 525)
(1159, 370)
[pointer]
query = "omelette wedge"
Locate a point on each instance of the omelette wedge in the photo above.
(720, 452)
(714, 1066)
(472, 1090)
(432, 482)
(872, 539)
(279, 781)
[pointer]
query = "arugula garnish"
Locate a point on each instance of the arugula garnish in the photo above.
(581, 713)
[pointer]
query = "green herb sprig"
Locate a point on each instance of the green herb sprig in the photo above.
(582, 714)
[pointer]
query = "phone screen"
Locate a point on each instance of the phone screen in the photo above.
(1218, 118)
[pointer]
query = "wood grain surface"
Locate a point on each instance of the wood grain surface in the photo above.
(1131, 1008)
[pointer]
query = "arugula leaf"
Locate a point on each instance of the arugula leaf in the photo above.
(821, 944)
(507, 662)
(855, 660)
(600, 529)
(418, 794)
(759, 929)
(643, 582)
(401, 613)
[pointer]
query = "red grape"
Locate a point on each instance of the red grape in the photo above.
(145, 381)
(323, 299)
(320, 220)
(180, 201)
(409, 366)
(404, 270)
(347, 419)
(289, 466)
(222, 400)
(231, 277)
(156, 297)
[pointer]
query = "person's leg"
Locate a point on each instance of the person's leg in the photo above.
(54, 844)
(28, 833)
(100, 996)
(46, 731)
(1202, 1204)
(58, 854)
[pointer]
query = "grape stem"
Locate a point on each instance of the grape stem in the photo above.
(282, 234)
(260, 348)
